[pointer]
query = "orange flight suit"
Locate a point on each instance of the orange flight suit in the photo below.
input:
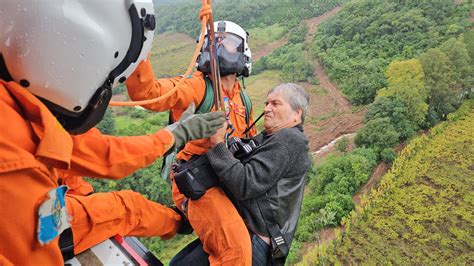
(214, 218)
(76, 184)
(34, 146)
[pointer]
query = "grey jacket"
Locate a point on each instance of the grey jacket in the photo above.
(275, 171)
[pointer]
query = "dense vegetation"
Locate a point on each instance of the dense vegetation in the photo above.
(422, 211)
(329, 194)
(249, 14)
(420, 93)
(359, 42)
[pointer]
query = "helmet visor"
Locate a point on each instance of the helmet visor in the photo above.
(230, 41)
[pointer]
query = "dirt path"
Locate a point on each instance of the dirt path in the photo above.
(330, 114)
(313, 23)
(268, 49)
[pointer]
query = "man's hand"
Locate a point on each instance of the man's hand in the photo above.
(219, 136)
(192, 126)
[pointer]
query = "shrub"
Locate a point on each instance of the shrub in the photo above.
(341, 145)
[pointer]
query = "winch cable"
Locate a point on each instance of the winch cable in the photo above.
(219, 102)
(253, 124)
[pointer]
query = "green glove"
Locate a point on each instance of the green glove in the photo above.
(195, 126)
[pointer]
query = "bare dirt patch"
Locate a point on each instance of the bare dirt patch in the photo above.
(268, 49)
(313, 23)
(323, 132)
(374, 180)
(330, 114)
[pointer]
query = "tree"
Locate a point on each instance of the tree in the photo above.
(378, 134)
(460, 62)
(468, 38)
(395, 110)
(440, 83)
(406, 84)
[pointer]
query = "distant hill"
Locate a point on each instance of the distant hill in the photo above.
(422, 211)
(249, 14)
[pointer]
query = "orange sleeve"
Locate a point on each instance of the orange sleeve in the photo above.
(142, 85)
(76, 184)
(97, 155)
(4, 261)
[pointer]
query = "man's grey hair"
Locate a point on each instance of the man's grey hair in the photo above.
(295, 95)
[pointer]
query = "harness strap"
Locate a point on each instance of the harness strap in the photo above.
(248, 105)
(66, 244)
(208, 100)
(279, 245)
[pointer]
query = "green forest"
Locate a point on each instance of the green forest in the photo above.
(408, 64)
(422, 211)
(359, 43)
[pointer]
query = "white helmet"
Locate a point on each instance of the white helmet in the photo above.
(71, 53)
(236, 58)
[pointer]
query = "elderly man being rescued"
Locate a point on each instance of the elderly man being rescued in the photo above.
(266, 179)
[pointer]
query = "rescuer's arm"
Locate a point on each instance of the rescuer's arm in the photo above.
(142, 85)
(98, 155)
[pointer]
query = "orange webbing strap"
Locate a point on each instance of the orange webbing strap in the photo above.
(215, 74)
(204, 16)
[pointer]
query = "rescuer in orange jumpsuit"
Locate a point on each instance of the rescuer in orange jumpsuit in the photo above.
(213, 216)
(53, 83)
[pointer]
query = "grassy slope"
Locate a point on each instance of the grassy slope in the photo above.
(171, 54)
(422, 212)
(259, 37)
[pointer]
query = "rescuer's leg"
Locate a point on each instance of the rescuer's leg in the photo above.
(221, 229)
(100, 216)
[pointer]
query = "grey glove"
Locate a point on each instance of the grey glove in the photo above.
(195, 126)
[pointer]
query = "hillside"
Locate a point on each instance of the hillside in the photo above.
(359, 42)
(422, 211)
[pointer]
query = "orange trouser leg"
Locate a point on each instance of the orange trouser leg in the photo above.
(100, 216)
(220, 228)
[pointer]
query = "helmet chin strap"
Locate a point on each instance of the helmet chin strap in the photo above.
(76, 123)
(4, 74)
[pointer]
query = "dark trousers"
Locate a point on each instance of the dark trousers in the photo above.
(193, 254)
